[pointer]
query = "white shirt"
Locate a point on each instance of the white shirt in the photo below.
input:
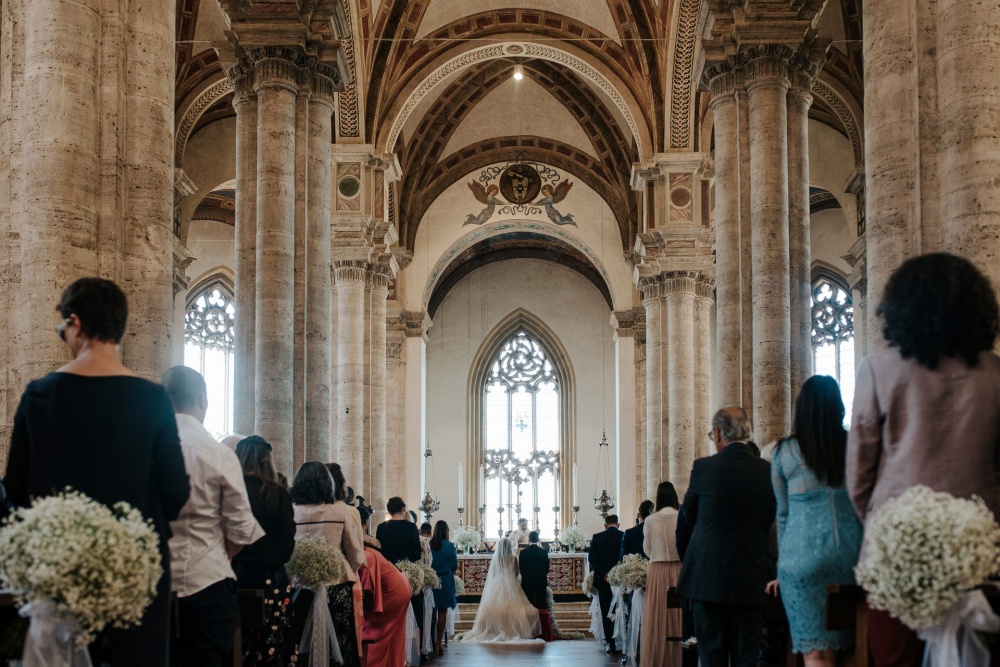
(659, 535)
(217, 510)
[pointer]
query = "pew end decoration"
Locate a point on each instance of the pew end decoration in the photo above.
(630, 574)
(431, 580)
(315, 565)
(588, 585)
(77, 567)
(414, 574)
(459, 586)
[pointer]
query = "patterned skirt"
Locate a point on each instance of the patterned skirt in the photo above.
(274, 643)
(342, 611)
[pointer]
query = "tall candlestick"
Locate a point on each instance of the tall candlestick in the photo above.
(575, 495)
(461, 486)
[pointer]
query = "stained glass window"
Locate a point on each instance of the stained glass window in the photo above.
(208, 348)
(833, 337)
(522, 421)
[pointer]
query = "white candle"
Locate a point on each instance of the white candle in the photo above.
(482, 484)
(461, 486)
(575, 496)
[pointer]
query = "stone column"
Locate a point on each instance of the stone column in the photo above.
(746, 258)
(395, 380)
(641, 489)
(301, 233)
(276, 76)
(378, 277)
(722, 83)
(652, 301)
(350, 276)
(245, 265)
(767, 89)
(800, 287)
(679, 301)
(704, 292)
(318, 297)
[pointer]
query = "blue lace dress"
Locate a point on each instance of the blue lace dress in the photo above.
(819, 537)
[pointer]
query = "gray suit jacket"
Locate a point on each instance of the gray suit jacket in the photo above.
(912, 425)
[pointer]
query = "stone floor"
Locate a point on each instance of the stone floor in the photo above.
(584, 653)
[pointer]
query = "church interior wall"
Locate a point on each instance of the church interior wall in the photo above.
(578, 315)
(209, 161)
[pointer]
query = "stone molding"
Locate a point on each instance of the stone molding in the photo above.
(415, 323)
(350, 271)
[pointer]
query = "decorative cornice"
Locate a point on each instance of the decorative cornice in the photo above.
(350, 271)
(416, 323)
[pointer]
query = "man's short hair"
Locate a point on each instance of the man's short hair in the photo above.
(522, 520)
(101, 306)
(185, 386)
(612, 520)
(646, 508)
(533, 537)
(733, 424)
(395, 505)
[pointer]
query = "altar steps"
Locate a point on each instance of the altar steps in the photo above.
(571, 616)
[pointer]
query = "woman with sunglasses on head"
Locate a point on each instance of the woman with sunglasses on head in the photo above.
(95, 426)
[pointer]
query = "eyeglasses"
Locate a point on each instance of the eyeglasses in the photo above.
(61, 328)
(711, 435)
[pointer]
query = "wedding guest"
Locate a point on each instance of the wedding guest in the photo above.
(632, 542)
(819, 535)
(64, 434)
(605, 553)
(231, 440)
(213, 526)
(398, 536)
(926, 409)
(426, 530)
(320, 511)
(660, 545)
(387, 599)
(261, 566)
(445, 564)
(722, 539)
(533, 563)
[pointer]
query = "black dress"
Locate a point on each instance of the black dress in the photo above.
(113, 439)
(261, 566)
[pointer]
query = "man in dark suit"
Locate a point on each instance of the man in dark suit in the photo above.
(605, 553)
(398, 536)
(722, 538)
(534, 565)
(632, 542)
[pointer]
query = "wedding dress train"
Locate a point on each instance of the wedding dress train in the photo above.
(504, 615)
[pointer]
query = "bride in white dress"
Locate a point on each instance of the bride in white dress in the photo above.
(504, 615)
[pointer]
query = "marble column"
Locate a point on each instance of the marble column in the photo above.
(680, 304)
(727, 234)
(378, 278)
(703, 302)
(245, 265)
(799, 262)
(652, 301)
(350, 277)
(318, 279)
(276, 77)
(767, 89)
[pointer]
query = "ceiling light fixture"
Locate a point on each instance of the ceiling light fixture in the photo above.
(518, 72)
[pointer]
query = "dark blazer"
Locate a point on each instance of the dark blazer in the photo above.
(605, 553)
(723, 528)
(400, 540)
(534, 565)
(632, 542)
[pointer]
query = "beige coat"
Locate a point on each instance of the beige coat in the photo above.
(340, 525)
(912, 425)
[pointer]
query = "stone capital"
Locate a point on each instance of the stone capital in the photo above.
(767, 64)
(182, 260)
(350, 271)
(326, 80)
(705, 287)
(379, 277)
(275, 67)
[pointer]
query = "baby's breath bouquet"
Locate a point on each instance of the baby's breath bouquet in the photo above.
(77, 563)
(573, 537)
(467, 538)
(414, 574)
(923, 551)
(630, 574)
(459, 586)
(431, 579)
(314, 563)
(588, 585)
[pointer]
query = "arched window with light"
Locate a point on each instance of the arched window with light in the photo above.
(522, 405)
(208, 348)
(833, 335)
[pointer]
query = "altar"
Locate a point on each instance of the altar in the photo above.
(566, 572)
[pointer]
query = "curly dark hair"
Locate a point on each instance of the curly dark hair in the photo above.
(312, 485)
(939, 305)
(101, 306)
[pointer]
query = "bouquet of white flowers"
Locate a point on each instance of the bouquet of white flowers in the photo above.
(573, 537)
(314, 563)
(414, 574)
(459, 586)
(630, 574)
(76, 563)
(588, 585)
(431, 580)
(923, 551)
(467, 538)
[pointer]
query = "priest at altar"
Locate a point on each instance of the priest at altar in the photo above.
(520, 535)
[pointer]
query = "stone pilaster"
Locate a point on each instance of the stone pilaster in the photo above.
(679, 287)
(350, 278)
(641, 489)
(702, 372)
(395, 382)
(378, 278)
(300, 231)
(652, 301)
(746, 256)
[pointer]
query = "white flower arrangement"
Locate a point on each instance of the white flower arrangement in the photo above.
(431, 580)
(314, 563)
(923, 550)
(588, 585)
(556, 630)
(573, 537)
(97, 566)
(414, 574)
(459, 586)
(630, 574)
(467, 538)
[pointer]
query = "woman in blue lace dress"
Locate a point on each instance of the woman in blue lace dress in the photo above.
(819, 535)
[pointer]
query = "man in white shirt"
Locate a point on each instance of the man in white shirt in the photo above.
(212, 527)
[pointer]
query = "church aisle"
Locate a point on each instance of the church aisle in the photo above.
(577, 653)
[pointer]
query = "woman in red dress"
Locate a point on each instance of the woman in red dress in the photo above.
(387, 594)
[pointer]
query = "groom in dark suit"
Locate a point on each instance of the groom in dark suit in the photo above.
(605, 553)
(534, 565)
(722, 537)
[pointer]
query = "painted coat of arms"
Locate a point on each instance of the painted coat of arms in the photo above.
(519, 184)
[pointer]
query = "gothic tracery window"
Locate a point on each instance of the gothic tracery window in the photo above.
(208, 348)
(522, 422)
(833, 336)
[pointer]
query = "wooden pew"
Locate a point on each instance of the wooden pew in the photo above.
(847, 609)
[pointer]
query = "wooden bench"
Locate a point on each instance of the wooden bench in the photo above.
(847, 609)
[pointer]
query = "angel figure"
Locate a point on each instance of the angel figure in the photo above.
(552, 197)
(486, 196)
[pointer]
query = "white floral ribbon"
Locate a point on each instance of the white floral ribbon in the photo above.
(635, 618)
(427, 637)
(51, 642)
(319, 638)
(450, 622)
(617, 614)
(952, 642)
(412, 638)
(596, 626)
